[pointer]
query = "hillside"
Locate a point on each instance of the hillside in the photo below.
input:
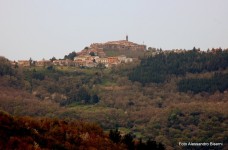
(115, 48)
(43, 133)
(159, 98)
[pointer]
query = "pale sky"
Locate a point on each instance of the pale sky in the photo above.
(46, 28)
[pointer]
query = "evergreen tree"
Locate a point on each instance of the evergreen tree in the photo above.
(70, 56)
(128, 140)
(5, 67)
(95, 99)
(115, 136)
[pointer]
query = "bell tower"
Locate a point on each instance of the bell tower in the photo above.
(126, 37)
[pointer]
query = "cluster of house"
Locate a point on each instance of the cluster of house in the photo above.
(93, 61)
(28, 63)
(84, 58)
(79, 61)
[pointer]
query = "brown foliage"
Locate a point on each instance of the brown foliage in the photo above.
(44, 133)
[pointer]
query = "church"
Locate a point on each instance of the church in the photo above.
(120, 45)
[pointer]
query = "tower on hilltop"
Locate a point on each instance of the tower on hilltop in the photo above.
(126, 37)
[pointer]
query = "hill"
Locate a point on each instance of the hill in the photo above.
(115, 48)
(43, 133)
(131, 97)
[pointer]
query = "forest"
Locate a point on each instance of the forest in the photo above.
(159, 100)
(159, 68)
(45, 133)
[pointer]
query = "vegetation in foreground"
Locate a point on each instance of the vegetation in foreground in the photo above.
(44, 133)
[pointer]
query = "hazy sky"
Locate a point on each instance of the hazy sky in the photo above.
(45, 28)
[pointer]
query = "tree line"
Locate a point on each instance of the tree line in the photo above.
(159, 68)
(47, 133)
(128, 140)
(219, 82)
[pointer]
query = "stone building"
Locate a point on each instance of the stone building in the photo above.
(42, 63)
(63, 62)
(119, 45)
(100, 49)
(24, 63)
(113, 60)
(102, 60)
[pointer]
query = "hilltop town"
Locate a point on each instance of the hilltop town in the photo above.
(96, 53)
(161, 93)
(106, 54)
